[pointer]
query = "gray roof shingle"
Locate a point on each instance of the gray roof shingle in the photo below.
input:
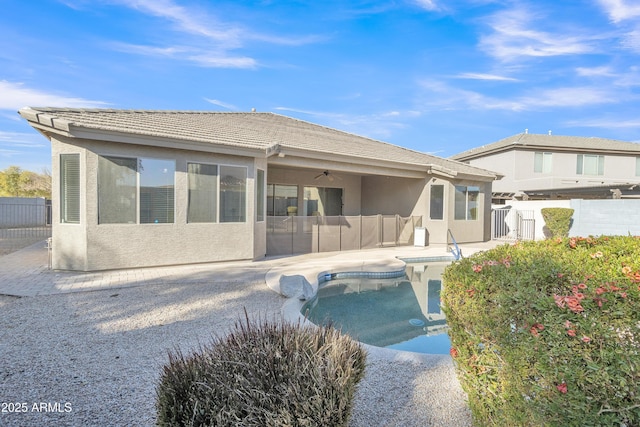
(551, 143)
(255, 130)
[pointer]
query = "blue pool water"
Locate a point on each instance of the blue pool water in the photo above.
(401, 313)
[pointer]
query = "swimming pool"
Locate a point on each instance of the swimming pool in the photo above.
(401, 313)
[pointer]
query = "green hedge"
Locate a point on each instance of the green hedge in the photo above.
(263, 374)
(548, 333)
(557, 221)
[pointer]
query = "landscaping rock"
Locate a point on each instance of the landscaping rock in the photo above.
(296, 286)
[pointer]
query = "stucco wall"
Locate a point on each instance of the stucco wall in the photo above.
(91, 246)
(605, 217)
(466, 231)
(393, 196)
(502, 163)
(517, 166)
(69, 241)
(590, 217)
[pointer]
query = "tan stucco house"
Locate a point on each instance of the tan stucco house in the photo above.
(548, 167)
(149, 188)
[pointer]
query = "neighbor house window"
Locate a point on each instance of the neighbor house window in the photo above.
(542, 163)
(203, 192)
(70, 188)
(260, 190)
(233, 194)
(322, 201)
(282, 200)
(637, 166)
(590, 164)
(436, 202)
(132, 190)
(466, 202)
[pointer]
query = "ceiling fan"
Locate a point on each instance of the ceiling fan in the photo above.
(329, 176)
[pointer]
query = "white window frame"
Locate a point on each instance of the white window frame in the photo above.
(467, 211)
(261, 214)
(444, 200)
(545, 162)
(64, 214)
(246, 193)
(138, 180)
(217, 221)
(580, 164)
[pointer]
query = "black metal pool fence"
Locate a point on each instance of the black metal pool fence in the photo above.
(288, 235)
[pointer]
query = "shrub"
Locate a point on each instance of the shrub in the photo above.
(263, 374)
(548, 333)
(558, 221)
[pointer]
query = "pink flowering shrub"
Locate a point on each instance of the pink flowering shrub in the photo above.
(548, 333)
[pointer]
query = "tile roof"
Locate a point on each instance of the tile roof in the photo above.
(253, 130)
(551, 142)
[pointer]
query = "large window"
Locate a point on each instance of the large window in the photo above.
(282, 200)
(70, 188)
(436, 202)
(542, 162)
(134, 190)
(157, 195)
(590, 164)
(637, 166)
(322, 201)
(203, 192)
(260, 187)
(117, 190)
(466, 202)
(233, 194)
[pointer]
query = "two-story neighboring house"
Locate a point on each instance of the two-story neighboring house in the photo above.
(543, 167)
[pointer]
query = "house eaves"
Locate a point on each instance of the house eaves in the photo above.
(551, 143)
(48, 124)
(616, 191)
(265, 135)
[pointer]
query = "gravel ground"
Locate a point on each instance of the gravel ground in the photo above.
(93, 358)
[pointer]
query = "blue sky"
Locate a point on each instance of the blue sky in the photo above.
(439, 76)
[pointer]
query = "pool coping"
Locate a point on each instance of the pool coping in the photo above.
(317, 271)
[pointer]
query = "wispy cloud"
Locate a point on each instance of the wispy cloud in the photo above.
(222, 104)
(201, 57)
(20, 139)
(428, 4)
(514, 35)
(20, 145)
(443, 96)
(481, 76)
(209, 41)
(191, 21)
(570, 97)
(453, 98)
(17, 95)
(615, 123)
(604, 71)
(621, 10)
(378, 125)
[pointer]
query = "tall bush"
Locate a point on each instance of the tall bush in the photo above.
(557, 221)
(548, 333)
(263, 374)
